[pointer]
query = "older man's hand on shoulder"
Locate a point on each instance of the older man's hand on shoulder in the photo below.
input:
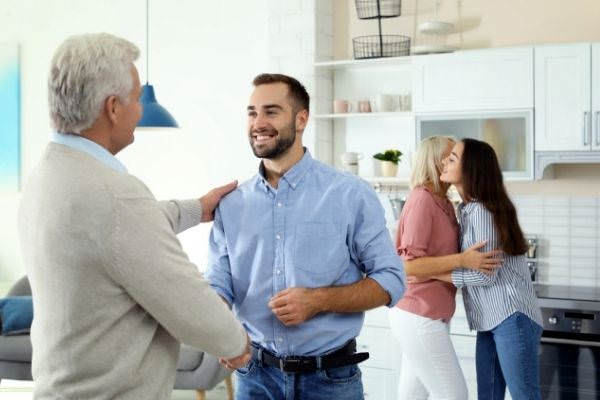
(211, 199)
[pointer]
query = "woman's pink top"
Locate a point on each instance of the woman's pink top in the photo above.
(427, 228)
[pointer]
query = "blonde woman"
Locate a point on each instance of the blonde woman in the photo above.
(427, 240)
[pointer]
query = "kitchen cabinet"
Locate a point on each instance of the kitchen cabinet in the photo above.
(563, 96)
(491, 79)
(510, 133)
(382, 370)
(463, 340)
(379, 384)
(567, 101)
(595, 111)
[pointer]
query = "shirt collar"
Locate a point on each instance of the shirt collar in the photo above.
(467, 207)
(295, 174)
(80, 143)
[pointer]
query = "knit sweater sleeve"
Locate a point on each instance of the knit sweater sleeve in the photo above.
(182, 214)
(148, 261)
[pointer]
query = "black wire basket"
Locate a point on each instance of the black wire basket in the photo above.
(375, 46)
(370, 9)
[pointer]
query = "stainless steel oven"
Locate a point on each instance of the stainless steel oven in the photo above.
(569, 352)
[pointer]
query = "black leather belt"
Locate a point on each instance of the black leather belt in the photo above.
(339, 358)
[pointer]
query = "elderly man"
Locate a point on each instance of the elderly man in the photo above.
(300, 251)
(113, 291)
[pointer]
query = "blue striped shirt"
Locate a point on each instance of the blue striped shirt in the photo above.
(490, 299)
(319, 228)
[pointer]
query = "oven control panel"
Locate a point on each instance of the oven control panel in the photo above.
(578, 321)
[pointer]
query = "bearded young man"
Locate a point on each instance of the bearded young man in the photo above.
(300, 252)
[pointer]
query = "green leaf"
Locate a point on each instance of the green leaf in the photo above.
(392, 155)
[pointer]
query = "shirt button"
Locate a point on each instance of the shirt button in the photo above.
(279, 204)
(278, 272)
(280, 339)
(278, 236)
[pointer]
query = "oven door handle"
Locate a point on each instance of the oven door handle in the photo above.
(569, 341)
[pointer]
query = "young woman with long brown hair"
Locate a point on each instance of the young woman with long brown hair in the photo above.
(500, 305)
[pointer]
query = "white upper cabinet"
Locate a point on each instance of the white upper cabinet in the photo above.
(563, 90)
(596, 96)
(474, 80)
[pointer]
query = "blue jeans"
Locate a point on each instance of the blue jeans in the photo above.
(508, 356)
(257, 381)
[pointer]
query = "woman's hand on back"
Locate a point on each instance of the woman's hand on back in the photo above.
(485, 262)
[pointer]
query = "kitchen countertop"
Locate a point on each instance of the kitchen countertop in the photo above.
(582, 293)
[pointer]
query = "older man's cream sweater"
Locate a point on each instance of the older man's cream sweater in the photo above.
(113, 291)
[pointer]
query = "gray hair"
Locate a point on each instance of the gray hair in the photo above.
(85, 71)
(427, 162)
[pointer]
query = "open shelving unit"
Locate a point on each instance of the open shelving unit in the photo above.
(364, 132)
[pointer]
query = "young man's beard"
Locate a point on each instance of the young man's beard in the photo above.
(283, 143)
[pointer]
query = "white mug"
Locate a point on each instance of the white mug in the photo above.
(405, 102)
(350, 161)
(350, 157)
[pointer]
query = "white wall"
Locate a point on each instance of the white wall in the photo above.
(203, 56)
(479, 23)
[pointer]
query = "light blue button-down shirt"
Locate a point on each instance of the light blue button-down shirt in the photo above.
(93, 149)
(320, 227)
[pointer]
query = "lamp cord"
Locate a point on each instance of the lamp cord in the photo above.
(147, 46)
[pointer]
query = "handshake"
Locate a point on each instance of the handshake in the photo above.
(239, 361)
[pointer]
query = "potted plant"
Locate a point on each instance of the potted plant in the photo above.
(389, 161)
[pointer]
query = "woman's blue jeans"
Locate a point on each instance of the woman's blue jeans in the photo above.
(508, 356)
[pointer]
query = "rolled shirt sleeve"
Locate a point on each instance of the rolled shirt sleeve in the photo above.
(414, 227)
(219, 269)
(372, 247)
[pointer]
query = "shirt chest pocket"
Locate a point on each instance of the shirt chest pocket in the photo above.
(320, 249)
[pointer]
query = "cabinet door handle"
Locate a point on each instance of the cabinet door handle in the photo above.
(585, 128)
(597, 128)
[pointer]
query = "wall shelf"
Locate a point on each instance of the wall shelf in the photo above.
(340, 64)
(403, 114)
(386, 180)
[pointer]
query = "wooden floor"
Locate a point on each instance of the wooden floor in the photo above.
(18, 390)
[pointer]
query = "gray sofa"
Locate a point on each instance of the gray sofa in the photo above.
(196, 370)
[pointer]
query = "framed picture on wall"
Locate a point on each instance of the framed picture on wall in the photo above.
(10, 140)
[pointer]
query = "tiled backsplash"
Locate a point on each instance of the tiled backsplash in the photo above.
(568, 231)
(569, 237)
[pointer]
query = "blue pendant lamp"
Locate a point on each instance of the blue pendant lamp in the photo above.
(154, 115)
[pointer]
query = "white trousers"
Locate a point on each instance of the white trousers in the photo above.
(430, 368)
